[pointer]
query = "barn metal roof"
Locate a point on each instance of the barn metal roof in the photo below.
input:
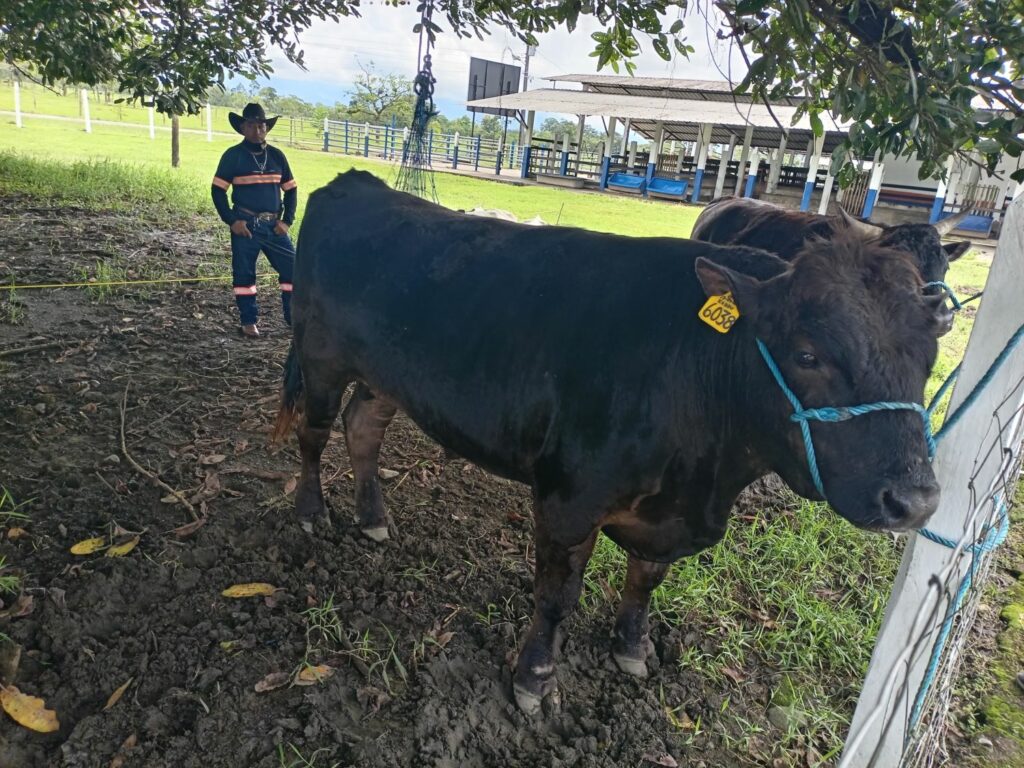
(681, 116)
(669, 87)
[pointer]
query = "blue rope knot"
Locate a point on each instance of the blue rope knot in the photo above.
(957, 305)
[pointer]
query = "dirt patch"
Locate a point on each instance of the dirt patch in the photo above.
(419, 633)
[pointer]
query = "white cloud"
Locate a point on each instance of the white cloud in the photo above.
(384, 36)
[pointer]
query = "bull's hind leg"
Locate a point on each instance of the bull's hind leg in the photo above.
(632, 645)
(322, 400)
(557, 584)
(366, 419)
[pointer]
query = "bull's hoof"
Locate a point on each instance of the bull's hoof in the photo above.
(378, 534)
(631, 665)
(531, 704)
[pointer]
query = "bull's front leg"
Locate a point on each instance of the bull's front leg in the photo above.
(631, 644)
(558, 581)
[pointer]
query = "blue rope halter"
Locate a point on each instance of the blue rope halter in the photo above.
(803, 416)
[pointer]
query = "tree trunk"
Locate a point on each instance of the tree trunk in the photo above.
(175, 148)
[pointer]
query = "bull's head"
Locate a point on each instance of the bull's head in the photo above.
(847, 325)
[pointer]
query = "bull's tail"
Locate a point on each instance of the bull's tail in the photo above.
(291, 391)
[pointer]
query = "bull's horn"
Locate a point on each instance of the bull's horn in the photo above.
(868, 230)
(948, 224)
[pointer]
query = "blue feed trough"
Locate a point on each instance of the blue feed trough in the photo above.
(668, 188)
(626, 182)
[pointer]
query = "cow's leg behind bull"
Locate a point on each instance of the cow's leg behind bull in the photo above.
(366, 419)
(631, 644)
(322, 400)
(558, 581)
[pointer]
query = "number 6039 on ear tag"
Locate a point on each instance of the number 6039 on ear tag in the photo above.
(720, 312)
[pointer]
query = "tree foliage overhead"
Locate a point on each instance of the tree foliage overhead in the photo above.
(905, 71)
(909, 74)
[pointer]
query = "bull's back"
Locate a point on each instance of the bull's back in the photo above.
(489, 334)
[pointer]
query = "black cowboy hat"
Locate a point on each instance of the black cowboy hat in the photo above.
(252, 111)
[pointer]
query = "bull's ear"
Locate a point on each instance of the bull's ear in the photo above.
(718, 280)
(955, 250)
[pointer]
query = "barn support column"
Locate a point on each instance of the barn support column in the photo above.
(606, 156)
(940, 191)
(655, 155)
(631, 160)
(826, 191)
(723, 166)
(580, 127)
(626, 126)
(524, 170)
(874, 185)
(776, 167)
(809, 153)
(748, 137)
(816, 147)
(563, 169)
(704, 140)
(755, 161)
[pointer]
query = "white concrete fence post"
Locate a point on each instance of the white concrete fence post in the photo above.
(85, 110)
(152, 121)
(17, 104)
(209, 122)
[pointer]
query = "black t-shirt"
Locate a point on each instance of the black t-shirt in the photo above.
(257, 176)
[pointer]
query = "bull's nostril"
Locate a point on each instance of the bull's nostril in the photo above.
(897, 508)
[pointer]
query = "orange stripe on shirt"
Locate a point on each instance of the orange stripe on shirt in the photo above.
(219, 182)
(259, 178)
(290, 184)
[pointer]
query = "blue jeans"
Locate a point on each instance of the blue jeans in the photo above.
(244, 252)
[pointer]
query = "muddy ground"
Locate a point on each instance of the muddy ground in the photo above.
(419, 631)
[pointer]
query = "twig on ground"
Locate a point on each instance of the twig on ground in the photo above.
(32, 348)
(141, 469)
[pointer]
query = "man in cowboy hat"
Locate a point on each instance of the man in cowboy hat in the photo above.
(258, 218)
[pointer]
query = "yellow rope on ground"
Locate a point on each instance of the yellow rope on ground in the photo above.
(97, 284)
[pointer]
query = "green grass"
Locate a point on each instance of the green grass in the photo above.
(93, 165)
(795, 589)
(290, 756)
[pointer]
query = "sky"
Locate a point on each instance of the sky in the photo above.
(383, 36)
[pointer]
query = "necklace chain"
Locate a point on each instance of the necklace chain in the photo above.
(261, 167)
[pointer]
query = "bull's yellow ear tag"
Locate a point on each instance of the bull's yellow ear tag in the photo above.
(720, 312)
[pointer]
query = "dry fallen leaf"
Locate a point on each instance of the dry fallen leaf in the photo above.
(124, 548)
(289, 486)
(16, 533)
(661, 759)
(127, 746)
(116, 695)
(213, 458)
(272, 681)
(189, 528)
(734, 674)
(257, 589)
(313, 675)
(23, 606)
(28, 711)
(88, 546)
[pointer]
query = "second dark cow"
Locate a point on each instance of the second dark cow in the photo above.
(782, 231)
(575, 362)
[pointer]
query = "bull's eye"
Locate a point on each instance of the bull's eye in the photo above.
(806, 360)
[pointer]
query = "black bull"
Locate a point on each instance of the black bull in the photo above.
(575, 362)
(759, 224)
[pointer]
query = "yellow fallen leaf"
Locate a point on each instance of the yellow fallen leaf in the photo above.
(313, 675)
(256, 589)
(16, 533)
(28, 711)
(124, 548)
(116, 695)
(88, 546)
